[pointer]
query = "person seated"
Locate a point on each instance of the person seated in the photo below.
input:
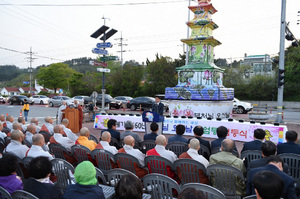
(15, 146)
(291, 145)
(86, 183)
(83, 139)
(153, 134)
(34, 121)
(128, 186)
(192, 153)
(267, 185)
(198, 132)
(111, 128)
(268, 148)
(8, 173)
(48, 126)
(189, 193)
(18, 126)
(275, 164)
(226, 157)
(180, 130)
(39, 183)
(160, 150)
(9, 122)
(128, 148)
(38, 141)
(31, 130)
(2, 119)
(129, 126)
(259, 136)
(222, 132)
(58, 138)
(21, 120)
(104, 143)
(72, 136)
(2, 135)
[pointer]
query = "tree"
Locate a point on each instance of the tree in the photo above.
(55, 76)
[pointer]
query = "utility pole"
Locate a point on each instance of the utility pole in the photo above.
(281, 61)
(121, 44)
(30, 59)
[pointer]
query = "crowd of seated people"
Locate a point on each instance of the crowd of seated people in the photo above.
(63, 136)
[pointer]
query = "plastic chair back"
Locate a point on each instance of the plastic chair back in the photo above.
(61, 168)
(293, 161)
(58, 151)
(147, 145)
(103, 159)
(250, 155)
(115, 175)
(4, 194)
(27, 143)
(20, 194)
(158, 164)
(189, 170)
(81, 152)
(224, 178)
(92, 137)
(209, 191)
(99, 174)
(125, 161)
(160, 186)
(177, 147)
(250, 197)
(46, 135)
(204, 151)
(2, 146)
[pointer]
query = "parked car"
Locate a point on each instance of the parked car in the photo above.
(123, 99)
(241, 107)
(19, 99)
(144, 102)
(80, 99)
(2, 99)
(40, 99)
(57, 100)
(108, 100)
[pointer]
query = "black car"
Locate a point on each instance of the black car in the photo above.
(19, 99)
(107, 100)
(143, 102)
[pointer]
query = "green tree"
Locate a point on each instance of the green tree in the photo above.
(55, 76)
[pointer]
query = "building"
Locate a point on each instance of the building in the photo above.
(260, 65)
(10, 91)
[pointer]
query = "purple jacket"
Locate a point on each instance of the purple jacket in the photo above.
(11, 183)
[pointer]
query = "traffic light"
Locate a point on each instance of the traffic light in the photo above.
(280, 77)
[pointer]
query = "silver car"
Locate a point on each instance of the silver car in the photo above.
(58, 100)
(40, 99)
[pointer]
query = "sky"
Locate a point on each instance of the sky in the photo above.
(59, 30)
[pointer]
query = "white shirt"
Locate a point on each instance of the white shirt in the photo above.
(17, 148)
(9, 125)
(72, 136)
(49, 127)
(64, 141)
(195, 155)
(2, 135)
(136, 153)
(170, 155)
(24, 127)
(109, 148)
(28, 136)
(37, 127)
(36, 151)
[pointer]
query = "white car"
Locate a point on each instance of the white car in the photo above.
(241, 107)
(80, 99)
(58, 100)
(40, 99)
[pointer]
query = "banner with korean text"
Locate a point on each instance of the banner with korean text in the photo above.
(236, 130)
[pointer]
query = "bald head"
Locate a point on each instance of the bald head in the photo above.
(17, 135)
(65, 122)
(2, 118)
(48, 119)
(21, 120)
(38, 139)
(106, 136)
(161, 140)
(31, 128)
(64, 103)
(227, 145)
(58, 129)
(16, 126)
(129, 140)
(34, 120)
(84, 132)
(10, 118)
(194, 144)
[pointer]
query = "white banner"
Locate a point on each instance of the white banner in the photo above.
(236, 130)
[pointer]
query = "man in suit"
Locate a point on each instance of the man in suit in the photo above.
(275, 164)
(158, 107)
(180, 130)
(290, 146)
(198, 132)
(111, 128)
(222, 132)
(153, 134)
(129, 126)
(259, 136)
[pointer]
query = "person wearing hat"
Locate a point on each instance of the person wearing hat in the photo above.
(25, 109)
(86, 183)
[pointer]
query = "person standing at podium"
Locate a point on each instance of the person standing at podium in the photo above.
(78, 106)
(158, 107)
